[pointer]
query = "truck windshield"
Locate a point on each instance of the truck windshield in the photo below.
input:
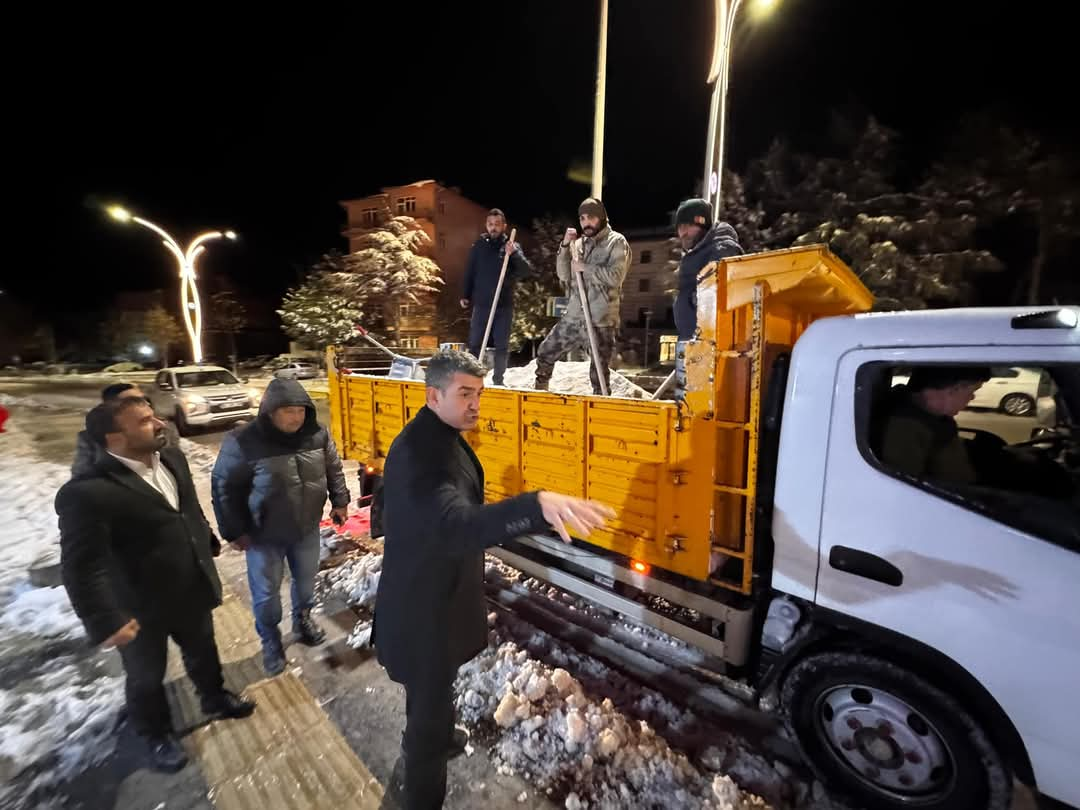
(199, 379)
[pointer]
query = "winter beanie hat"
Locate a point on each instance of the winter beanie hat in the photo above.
(694, 212)
(594, 208)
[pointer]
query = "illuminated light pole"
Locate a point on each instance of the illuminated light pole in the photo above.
(190, 304)
(719, 72)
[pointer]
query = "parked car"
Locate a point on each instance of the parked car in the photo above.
(297, 370)
(1014, 390)
(201, 396)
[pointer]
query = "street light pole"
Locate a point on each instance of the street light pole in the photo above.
(190, 303)
(598, 121)
(719, 73)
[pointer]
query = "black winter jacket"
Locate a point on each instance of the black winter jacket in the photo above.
(719, 242)
(429, 610)
(125, 553)
(483, 268)
(273, 486)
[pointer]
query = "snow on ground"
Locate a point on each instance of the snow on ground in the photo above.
(580, 731)
(569, 378)
(58, 698)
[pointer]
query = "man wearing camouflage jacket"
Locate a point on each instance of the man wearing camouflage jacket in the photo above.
(602, 257)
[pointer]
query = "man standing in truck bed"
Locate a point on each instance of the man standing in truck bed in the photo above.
(602, 257)
(482, 278)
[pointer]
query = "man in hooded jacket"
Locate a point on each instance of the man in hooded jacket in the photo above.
(703, 242)
(270, 486)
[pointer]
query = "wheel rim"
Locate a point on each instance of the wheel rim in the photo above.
(885, 743)
(1016, 406)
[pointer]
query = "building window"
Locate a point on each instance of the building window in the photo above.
(409, 342)
(643, 285)
(646, 257)
(370, 216)
(407, 310)
(406, 205)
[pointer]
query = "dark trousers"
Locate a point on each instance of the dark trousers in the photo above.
(570, 335)
(429, 728)
(144, 664)
(499, 338)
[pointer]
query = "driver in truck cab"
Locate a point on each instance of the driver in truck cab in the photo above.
(919, 435)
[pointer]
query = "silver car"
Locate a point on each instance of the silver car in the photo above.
(201, 396)
(297, 371)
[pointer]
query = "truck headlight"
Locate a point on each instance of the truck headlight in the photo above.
(194, 404)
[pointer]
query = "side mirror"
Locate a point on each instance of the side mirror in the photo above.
(165, 386)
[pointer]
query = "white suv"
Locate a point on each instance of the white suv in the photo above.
(201, 396)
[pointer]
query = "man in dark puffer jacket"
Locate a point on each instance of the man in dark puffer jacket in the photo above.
(270, 485)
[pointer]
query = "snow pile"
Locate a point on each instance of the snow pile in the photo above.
(200, 458)
(354, 582)
(28, 526)
(569, 378)
(559, 738)
(58, 701)
(44, 612)
(27, 402)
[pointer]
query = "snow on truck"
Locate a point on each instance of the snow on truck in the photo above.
(921, 638)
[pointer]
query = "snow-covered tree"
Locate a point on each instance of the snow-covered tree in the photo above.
(910, 248)
(391, 268)
(124, 332)
(325, 309)
(1011, 181)
(227, 316)
(531, 321)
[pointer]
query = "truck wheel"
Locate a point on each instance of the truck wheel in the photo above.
(1017, 405)
(890, 738)
(182, 426)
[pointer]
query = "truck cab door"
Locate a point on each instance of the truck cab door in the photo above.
(996, 599)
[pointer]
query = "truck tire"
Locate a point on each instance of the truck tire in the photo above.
(889, 738)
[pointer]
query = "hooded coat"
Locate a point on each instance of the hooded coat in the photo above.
(272, 486)
(719, 242)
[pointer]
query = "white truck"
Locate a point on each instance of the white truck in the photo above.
(921, 636)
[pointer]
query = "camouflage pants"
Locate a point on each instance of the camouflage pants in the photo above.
(568, 335)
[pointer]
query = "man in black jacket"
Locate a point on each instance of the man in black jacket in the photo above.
(481, 279)
(703, 242)
(270, 485)
(137, 565)
(430, 616)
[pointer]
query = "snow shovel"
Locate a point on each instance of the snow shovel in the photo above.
(590, 329)
(494, 301)
(401, 367)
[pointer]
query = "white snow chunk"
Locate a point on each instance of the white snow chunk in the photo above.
(506, 713)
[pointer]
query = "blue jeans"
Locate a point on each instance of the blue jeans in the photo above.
(265, 567)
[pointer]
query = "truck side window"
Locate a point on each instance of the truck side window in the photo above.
(999, 440)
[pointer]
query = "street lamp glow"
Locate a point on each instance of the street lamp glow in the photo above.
(146, 350)
(190, 304)
(763, 8)
(231, 235)
(119, 213)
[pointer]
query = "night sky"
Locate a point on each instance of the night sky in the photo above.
(262, 122)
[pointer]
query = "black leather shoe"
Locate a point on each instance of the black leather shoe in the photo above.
(166, 755)
(308, 631)
(229, 705)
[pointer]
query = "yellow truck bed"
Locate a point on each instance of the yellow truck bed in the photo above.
(680, 475)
